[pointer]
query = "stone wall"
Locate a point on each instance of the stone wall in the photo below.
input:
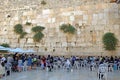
(91, 19)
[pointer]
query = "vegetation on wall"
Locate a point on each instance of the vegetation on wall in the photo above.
(28, 23)
(38, 36)
(38, 33)
(4, 45)
(110, 41)
(43, 2)
(37, 29)
(67, 28)
(23, 34)
(45, 49)
(18, 28)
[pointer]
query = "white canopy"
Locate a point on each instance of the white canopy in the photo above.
(17, 50)
(7, 49)
(1, 47)
(30, 51)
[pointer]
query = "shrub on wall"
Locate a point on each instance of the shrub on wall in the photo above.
(67, 28)
(18, 28)
(38, 36)
(28, 23)
(23, 34)
(37, 29)
(4, 45)
(38, 33)
(43, 2)
(109, 41)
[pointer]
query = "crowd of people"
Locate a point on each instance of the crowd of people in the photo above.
(24, 62)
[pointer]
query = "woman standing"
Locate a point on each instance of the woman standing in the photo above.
(2, 69)
(29, 64)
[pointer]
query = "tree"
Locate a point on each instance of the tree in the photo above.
(110, 41)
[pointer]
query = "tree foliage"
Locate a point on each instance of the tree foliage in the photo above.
(23, 34)
(4, 45)
(37, 29)
(110, 41)
(38, 36)
(28, 23)
(68, 28)
(43, 2)
(38, 33)
(18, 28)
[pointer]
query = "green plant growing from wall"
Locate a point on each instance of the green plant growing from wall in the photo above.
(69, 30)
(23, 34)
(43, 2)
(38, 33)
(38, 36)
(110, 41)
(18, 28)
(45, 49)
(28, 23)
(37, 29)
(6, 46)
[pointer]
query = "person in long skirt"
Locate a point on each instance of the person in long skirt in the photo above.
(29, 64)
(2, 70)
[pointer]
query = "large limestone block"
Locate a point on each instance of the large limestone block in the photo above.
(117, 27)
(16, 18)
(30, 40)
(103, 21)
(46, 11)
(73, 44)
(72, 18)
(85, 17)
(101, 16)
(58, 44)
(65, 13)
(51, 20)
(28, 30)
(94, 22)
(11, 23)
(23, 41)
(64, 44)
(30, 12)
(95, 16)
(78, 12)
(25, 14)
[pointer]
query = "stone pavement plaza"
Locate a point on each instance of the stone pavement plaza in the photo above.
(81, 74)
